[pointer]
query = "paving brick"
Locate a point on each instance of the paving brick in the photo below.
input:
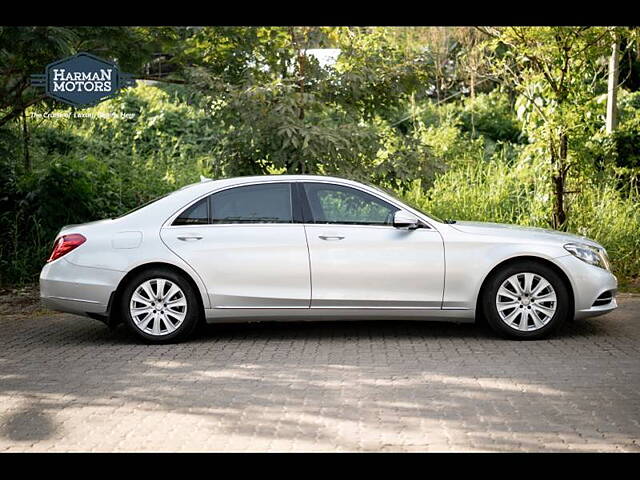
(67, 383)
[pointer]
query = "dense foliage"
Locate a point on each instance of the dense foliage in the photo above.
(464, 123)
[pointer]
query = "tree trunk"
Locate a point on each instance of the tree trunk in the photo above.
(300, 60)
(612, 107)
(559, 181)
(559, 215)
(25, 139)
(17, 110)
(473, 97)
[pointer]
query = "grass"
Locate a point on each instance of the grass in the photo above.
(517, 193)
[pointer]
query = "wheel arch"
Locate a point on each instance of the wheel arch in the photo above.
(532, 258)
(116, 296)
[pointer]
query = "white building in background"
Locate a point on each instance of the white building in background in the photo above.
(326, 57)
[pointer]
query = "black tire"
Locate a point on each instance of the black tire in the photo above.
(193, 311)
(490, 309)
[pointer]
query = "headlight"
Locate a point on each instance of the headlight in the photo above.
(591, 255)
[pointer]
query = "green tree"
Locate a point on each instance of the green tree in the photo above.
(556, 71)
(278, 110)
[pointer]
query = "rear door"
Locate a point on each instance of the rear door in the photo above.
(359, 259)
(243, 243)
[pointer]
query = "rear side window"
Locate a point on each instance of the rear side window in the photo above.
(266, 203)
(196, 214)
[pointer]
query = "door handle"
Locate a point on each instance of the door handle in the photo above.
(330, 237)
(186, 238)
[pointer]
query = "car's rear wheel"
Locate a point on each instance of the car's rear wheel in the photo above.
(525, 300)
(160, 306)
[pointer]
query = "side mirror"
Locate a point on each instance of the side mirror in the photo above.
(404, 219)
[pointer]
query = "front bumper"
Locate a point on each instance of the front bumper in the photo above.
(588, 283)
(71, 288)
(595, 311)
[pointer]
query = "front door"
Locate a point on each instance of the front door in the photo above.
(359, 259)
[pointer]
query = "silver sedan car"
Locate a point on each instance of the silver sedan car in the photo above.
(310, 247)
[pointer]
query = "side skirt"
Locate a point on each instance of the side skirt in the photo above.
(233, 315)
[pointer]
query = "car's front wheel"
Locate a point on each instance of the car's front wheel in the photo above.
(525, 300)
(160, 306)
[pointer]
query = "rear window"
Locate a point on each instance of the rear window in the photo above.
(196, 214)
(145, 204)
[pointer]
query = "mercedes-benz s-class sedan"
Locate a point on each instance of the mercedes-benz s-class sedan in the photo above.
(312, 247)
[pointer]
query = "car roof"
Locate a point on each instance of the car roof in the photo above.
(283, 177)
(177, 200)
(187, 193)
(207, 184)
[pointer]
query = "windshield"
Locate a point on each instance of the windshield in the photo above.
(430, 215)
(408, 202)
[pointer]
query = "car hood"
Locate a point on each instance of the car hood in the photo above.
(516, 231)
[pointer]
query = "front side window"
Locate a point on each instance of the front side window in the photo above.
(346, 205)
(266, 203)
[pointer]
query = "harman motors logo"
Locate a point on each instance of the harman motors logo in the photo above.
(82, 80)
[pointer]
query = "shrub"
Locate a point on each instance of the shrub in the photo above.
(491, 115)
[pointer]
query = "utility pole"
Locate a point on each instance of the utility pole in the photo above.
(612, 107)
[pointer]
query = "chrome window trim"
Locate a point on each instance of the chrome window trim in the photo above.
(169, 222)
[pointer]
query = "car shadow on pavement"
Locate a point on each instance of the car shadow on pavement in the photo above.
(70, 383)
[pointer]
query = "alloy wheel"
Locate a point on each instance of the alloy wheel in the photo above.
(526, 301)
(158, 306)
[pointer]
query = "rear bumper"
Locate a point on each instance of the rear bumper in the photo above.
(74, 289)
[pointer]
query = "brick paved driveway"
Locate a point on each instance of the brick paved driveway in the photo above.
(68, 383)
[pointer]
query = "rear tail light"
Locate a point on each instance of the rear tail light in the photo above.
(65, 244)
